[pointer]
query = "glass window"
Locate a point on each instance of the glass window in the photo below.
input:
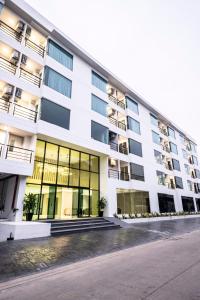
(166, 203)
(176, 164)
(133, 125)
(154, 120)
(63, 157)
(84, 179)
(155, 137)
(135, 147)
(132, 105)
(189, 183)
(94, 163)
(51, 154)
(39, 152)
(137, 172)
(74, 159)
(187, 169)
(171, 132)
(59, 54)
(195, 161)
(50, 172)
(37, 173)
(57, 82)
(179, 182)
(54, 114)
(188, 204)
(173, 148)
(63, 175)
(197, 173)
(99, 105)
(158, 157)
(66, 202)
(94, 181)
(161, 177)
(99, 132)
(94, 199)
(193, 147)
(74, 177)
(99, 82)
(184, 154)
(182, 138)
(85, 161)
(47, 204)
(34, 189)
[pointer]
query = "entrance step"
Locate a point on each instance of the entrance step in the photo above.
(80, 225)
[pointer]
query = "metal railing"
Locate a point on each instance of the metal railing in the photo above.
(7, 65)
(118, 175)
(113, 146)
(4, 105)
(113, 121)
(30, 77)
(137, 177)
(24, 112)
(121, 125)
(17, 153)
(1, 149)
(38, 49)
(124, 176)
(10, 31)
(117, 102)
(113, 174)
(117, 123)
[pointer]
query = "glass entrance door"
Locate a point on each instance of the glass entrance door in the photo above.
(83, 203)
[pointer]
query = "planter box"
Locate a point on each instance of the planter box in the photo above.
(155, 219)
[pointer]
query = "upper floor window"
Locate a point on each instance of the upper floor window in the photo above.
(155, 137)
(158, 157)
(99, 82)
(185, 154)
(161, 177)
(54, 113)
(189, 183)
(135, 147)
(176, 164)
(99, 105)
(173, 148)
(195, 160)
(171, 132)
(182, 138)
(60, 54)
(57, 82)
(187, 169)
(133, 125)
(197, 173)
(154, 120)
(193, 147)
(99, 132)
(132, 105)
(178, 182)
(137, 172)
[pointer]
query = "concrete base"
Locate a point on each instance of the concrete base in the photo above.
(147, 220)
(23, 230)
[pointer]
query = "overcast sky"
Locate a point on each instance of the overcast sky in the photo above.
(152, 45)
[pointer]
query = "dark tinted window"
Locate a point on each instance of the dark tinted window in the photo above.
(55, 114)
(188, 203)
(155, 137)
(99, 105)
(173, 148)
(179, 182)
(166, 203)
(99, 82)
(176, 164)
(194, 159)
(99, 132)
(135, 147)
(60, 54)
(133, 125)
(137, 172)
(132, 105)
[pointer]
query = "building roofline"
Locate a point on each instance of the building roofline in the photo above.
(34, 18)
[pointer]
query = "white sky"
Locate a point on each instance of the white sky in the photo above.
(152, 45)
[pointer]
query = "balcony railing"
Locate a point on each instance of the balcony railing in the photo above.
(116, 101)
(113, 173)
(124, 176)
(118, 175)
(113, 121)
(24, 112)
(10, 31)
(17, 153)
(117, 123)
(121, 125)
(30, 77)
(38, 49)
(4, 105)
(7, 65)
(113, 146)
(165, 148)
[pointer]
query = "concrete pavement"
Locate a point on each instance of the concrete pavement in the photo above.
(164, 269)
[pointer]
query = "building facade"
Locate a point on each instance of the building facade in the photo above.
(71, 132)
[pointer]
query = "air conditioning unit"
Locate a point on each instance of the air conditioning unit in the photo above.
(8, 90)
(28, 32)
(23, 59)
(14, 57)
(18, 93)
(111, 91)
(20, 26)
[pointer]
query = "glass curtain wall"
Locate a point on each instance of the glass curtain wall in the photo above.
(131, 202)
(65, 181)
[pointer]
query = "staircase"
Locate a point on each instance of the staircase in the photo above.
(80, 225)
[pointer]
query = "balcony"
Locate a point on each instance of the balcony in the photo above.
(4, 105)
(7, 65)
(34, 79)
(24, 112)
(38, 49)
(10, 31)
(117, 123)
(117, 102)
(118, 175)
(16, 153)
(116, 97)
(113, 146)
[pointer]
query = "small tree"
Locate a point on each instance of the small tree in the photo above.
(30, 202)
(102, 204)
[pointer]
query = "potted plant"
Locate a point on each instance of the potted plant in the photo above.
(30, 202)
(102, 205)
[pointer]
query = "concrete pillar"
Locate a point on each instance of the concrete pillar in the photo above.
(153, 200)
(178, 202)
(19, 198)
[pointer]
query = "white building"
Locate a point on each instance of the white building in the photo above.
(71, 132)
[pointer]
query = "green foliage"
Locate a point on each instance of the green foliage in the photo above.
(102, 203)
(30, 202)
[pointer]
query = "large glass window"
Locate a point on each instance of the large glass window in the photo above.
(188, 204)
(74, 159)
(60, 54)
(39, 153)
(187, 169)
(179, 182)
(51, 154)
(155, 137)
(195, 160)
(135, 147)
(166, 203)
(133, 125)
(63, 156)
(132, 202)
(193, 147)
(171, 132)
(85, 161)
(154, 120)
(99, 82)
(54, 113)
(99, 132)
(57, 82)
(161, 177)
(197, 173)
(158, 157)
(94, 164)
(137, 172)
(132, 105)
(99, 105)
(50, 172)
(37, 173)
(173, 148)
(176, 164)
